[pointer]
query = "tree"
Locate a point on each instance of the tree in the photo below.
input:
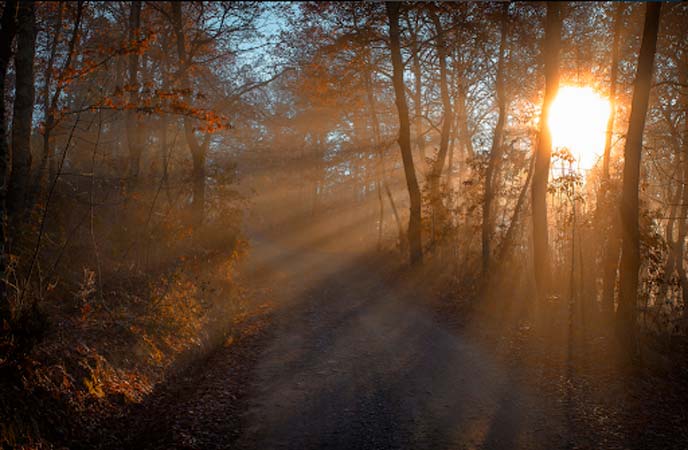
(630, 248)
(611, 250)
(23, 108)
(414, 237)
(447, 119)
(552, 42)
(413, 29)
(497, 143)
(8, 25)
(199, 150)
(134, 129)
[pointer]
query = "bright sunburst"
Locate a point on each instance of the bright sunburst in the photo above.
(578, 121)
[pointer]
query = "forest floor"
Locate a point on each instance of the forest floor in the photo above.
(355, 358)
(346, 350)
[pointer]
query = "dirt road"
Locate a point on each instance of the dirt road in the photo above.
(353, 364)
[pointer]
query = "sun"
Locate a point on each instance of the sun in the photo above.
(578, 121)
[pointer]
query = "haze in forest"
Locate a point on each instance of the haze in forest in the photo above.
(343, 225)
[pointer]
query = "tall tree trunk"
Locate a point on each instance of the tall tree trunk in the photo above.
(506, 244)
(608, 226)
(44, 171)
(447, 118)
(544, 150)
(680, 244)
(417, 95)
(23, 109)
(465, 135)
(681, 239)
(165, 155)
(397, 219)
(414, 238)
(198, 149)
(494, 162)
(452, 147)
(630, 249)
(670, 263)
(134, 138)
(8, 24)
(377, 144)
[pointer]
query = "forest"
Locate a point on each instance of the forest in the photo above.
(343, 225)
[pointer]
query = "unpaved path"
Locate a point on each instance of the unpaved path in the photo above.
(353, 364)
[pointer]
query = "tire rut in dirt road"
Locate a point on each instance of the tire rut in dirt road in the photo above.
(355, 365)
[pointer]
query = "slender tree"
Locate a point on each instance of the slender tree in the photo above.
(496, 151)
(630, 249)
(134, 131)
(414, 237)
(199, 150)
(23, 108)
(608, 225)
(544, 149)
(447, 119)
(417, 90)
(8, 28)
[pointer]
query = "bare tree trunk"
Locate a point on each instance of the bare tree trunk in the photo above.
(43, 174)
(681, 242)
(23, 109)
(506, 244)
(465, 135)
(132, 122)
(447, 118)
(452, 144)
(377, 144)
(45, 171)
(417, 96)
(8, 24)
(198, 150)
(400, 227)
(414, 238)
(165, 155)
(544, 150)
(496, 150)
(608, 225)
(630, 251)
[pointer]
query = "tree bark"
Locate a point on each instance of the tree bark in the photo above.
(414, 237)
(506, 244)
(134, 138)
(400, 227)
(630, 249)
(198, 149)
(417, 96)
(377, 144)
(23, 109)
(447, 118)
(608, 226)
(496, 151)
(683, 224)
(544, 150)
(8, 24)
